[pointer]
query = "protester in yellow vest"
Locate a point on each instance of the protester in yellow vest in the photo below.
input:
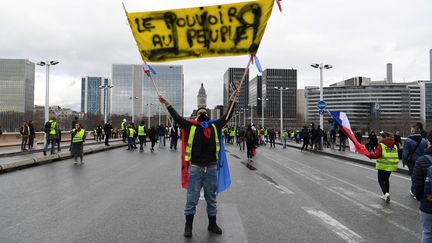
(200, 164)
(387, 162)
(78, 138)
(131, 137)
(25, 131)
(51, 131)
(123, 128)
(141, 134)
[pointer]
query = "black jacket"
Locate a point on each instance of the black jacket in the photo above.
(418, 179)
(203, 150)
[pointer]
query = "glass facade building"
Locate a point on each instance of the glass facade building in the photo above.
(232, 78)
(17, 78)
(169, 80)
(255, 92)
(378, 106)
(93, 98)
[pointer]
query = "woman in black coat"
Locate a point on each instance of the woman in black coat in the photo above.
(152, 137)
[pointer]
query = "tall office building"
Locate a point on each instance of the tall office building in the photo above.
(169, 80)
(232, 78)
(255, 92)
(285, 78)
(93, 100)
(389, 73)
(430, 65)
(17, 78)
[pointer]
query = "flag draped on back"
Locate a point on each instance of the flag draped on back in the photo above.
(223, 174)
(210, 31)
(342, 120)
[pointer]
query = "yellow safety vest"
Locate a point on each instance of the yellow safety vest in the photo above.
(232, 133)
(123, 128)
(389, 160)
(131, 132)
(188, 154)
(141, 130)
(53, 130)
(79, 136)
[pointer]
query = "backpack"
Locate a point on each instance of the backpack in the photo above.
(47, 127)
(427, 191)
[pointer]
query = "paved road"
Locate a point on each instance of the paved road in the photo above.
(122, 196)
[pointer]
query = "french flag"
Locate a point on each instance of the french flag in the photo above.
(342, 120)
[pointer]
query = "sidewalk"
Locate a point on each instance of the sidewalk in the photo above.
(350, 156)
(34, 157)
(9, 151)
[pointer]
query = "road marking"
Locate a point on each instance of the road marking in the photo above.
(340, 180)
(360, 205)
(334, 225)
(232, 224)
(282, 189)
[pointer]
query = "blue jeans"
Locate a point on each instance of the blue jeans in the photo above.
(427, 227)
(130, 143)
(48, 142)
(161, 141)
(198, 178)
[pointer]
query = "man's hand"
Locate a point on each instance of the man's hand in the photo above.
(163, 101)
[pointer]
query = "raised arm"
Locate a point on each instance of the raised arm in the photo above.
(180, 120)
(221, 122)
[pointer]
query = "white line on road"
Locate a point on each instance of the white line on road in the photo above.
(232, 224)
(334, 225)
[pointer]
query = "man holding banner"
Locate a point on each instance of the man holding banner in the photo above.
(204, 163)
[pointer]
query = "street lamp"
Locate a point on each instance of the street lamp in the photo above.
(105, 87)
(281, 89)
(133, 111)
(149, 107)
(251, 113)
(47, 64)
(262, 110)
(321, 67)
(244, 116)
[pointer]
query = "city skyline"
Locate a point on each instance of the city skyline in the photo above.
(353, 44)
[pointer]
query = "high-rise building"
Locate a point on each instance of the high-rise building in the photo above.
(93, 100)
(255, 92)
(285, 78)
(232, 79)
(389, 73)
(128, 77)
(17, 78)
(202, 97)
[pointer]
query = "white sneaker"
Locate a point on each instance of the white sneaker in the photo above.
(387, 197)
(384, 197)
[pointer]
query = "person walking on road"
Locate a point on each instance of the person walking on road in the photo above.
(131, 137)
(204, 143)
(51, 131)
(174, 135)
(305, 136)
(161, 134)
(413, 148)
(78, 137)
(285, 137)
(141, 134)
(75, 121)
(373, 141)
(251, 139)
(152, 136)
(25, 131)
(107, 130)
(421, 178)
(272, 138)
(32, 135)
(386, 163)
(342, 140)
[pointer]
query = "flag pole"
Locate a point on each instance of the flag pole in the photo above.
(148, 74)
(239, 87)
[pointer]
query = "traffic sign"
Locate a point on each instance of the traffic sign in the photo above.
(321, 104)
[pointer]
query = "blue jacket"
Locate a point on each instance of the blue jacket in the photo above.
(418, 179)
(409, 146)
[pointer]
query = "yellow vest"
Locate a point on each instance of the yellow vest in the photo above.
(389, 159)
(188, 154)
(79, 136)
(53, 130)
(131, 132)
(141, 130)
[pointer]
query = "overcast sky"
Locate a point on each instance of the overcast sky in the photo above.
(87, 36)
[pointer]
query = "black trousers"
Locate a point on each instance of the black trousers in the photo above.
(107, 139)
(249, 146)
(141, 141)
(305, 144)
(383, 180)
(272, 142)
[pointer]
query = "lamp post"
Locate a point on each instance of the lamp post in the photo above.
(133, 111)
(47, 64)
(321, 67)
(105, 87)
(149, 107)
(262, 110)
(281, 89)
(251, 113)
(244, 116)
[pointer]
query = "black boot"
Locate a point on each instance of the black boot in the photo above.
(188, 226)
(213, 227)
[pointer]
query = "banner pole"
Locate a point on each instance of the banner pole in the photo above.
(239, 87)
